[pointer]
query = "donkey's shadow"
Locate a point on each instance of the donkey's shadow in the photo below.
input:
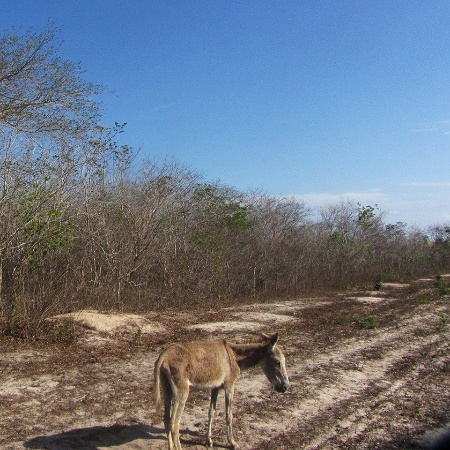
(95, 437)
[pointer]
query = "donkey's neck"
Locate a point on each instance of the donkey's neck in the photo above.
(248, 355)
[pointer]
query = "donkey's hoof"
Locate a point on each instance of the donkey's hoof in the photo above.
(209, 443)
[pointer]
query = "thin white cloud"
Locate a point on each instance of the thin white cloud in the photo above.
(415, 203)
(429, 184)
(438, 125)
(324, 199)
(162, 107)
(425, 129)
(413, 207)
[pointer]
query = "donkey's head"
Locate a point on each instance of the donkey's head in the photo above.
(273, 365)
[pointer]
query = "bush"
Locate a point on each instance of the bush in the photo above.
(369, 322)
(378, 283)
(443, 288)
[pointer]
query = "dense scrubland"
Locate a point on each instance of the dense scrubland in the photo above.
(86, 222)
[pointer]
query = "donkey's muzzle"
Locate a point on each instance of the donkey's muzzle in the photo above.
(281, 388)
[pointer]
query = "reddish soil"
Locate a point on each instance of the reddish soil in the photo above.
(352, 386)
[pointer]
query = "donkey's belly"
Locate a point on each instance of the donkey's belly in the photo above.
(207, 384)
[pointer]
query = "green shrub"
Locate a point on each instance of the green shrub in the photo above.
(443, 288)
(378, 283)
(424, 299)
(444, 320)
(343, 320)
(369, 322)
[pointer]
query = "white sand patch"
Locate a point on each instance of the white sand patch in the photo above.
(38, 384)
(113, 323)
(287, 306)
(227, 326)
(265, 317)
(23, 356)
(254, 385)
(396, 285)
(92, 338)
(367, 299)
(376, 293)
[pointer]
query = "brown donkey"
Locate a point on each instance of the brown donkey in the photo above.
(215, 365)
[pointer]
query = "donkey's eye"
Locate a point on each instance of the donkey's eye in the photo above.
(278, 363)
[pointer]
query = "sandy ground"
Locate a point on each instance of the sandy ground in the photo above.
(351, 387)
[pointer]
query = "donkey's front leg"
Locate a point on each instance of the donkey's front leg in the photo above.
(212, 411)
(229, 414)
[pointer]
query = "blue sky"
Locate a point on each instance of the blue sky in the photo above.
(320, 99)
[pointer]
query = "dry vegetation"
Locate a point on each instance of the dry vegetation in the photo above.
(84, 223)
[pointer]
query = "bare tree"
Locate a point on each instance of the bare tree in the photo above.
(47, 112)
(39, 91)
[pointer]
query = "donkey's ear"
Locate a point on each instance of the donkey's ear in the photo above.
(273, 340)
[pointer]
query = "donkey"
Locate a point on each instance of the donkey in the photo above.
(215, 365)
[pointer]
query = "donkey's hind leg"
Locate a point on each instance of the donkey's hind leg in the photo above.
(212, 410)
(168, 395)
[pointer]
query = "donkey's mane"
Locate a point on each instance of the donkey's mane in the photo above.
(248, 354)
(254, 340)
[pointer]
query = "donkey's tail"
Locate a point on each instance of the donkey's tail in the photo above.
(157, 385)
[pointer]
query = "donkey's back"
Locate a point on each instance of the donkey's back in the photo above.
(201, 364)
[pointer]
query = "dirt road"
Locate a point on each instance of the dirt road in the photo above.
(368, 370)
